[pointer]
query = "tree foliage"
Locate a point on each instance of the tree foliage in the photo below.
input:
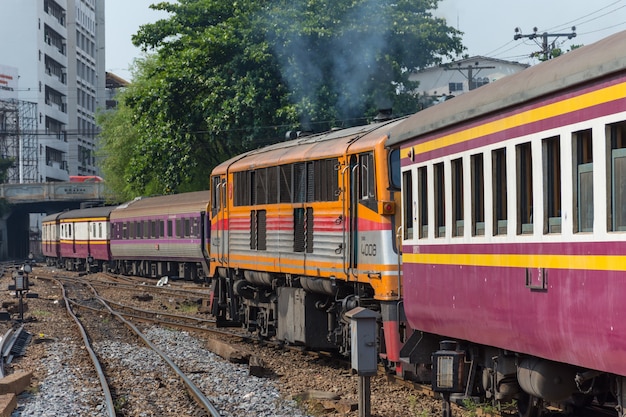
(226, 76)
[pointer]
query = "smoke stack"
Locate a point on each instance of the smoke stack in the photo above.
(383, 115)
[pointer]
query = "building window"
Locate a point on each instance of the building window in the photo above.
(453, 87)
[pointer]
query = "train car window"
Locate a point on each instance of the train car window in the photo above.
(524, 188)
(457, 197)
(169, 228)
(146, 229)
(299, 178)
(310, 181)
(260, 187)
(179, 228)
(125, 230)
(100, 230)
(499, 192)
(161, 228)
(244, 188)
(153, 229)
(551, 149)
(422, 179)
(286, 181)
(407, 203)
(368, 176)
(187, 228)
(440, 200)
(617, 190)
(478, 195)
(394, 169)
(272, 185)
(93, 230)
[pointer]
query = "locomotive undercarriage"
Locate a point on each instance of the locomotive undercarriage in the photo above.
(297, 310)
(507, 379)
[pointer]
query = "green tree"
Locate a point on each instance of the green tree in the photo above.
(225, 76)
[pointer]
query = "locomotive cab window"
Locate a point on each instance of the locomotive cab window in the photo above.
(368, 176)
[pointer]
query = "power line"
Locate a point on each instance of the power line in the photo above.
(546, 49)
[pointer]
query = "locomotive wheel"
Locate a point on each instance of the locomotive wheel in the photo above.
(528, 406)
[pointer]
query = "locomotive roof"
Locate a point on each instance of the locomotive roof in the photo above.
(87, 213)
(165, 204)
(593, 61)
(324, 145)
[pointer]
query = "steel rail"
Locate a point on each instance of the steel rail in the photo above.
(192, 388)
(103, 382)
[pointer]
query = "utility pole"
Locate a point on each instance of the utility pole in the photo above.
(470, 72)
(545, 48)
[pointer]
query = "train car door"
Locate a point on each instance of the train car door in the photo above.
(218, 218)
(362, 192)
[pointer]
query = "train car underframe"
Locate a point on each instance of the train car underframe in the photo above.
(507, 378)
(191, 271)
(297, 310)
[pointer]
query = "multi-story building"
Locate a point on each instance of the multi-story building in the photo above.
(57, 47)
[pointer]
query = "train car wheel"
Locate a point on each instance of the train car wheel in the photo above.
(528, 406)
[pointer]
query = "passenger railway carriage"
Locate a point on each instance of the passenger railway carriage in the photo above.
(84, 238)
(164, 235)
(514, 222)
(50, 238)
(304, 231)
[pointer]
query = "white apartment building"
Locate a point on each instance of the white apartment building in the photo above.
(57, 47)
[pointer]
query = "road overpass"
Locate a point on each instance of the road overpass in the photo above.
(48, 198)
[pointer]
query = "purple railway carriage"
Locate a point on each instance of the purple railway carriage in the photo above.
(162, 236)
(84, 239)
(514, 220)
(50, 238)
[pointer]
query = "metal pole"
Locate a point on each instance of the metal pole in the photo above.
(365, 407)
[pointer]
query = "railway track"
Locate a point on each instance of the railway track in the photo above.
(78, 295)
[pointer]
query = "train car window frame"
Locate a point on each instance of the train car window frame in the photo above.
(439, 189)
(582, 190)
(170, 229)
(458, 207)
(395, 168)
(524, 188)
(499, 190)
(407, 204)
(477, 167)
(285, 187)
(422, 184)
(100, 230)
(551, 159)
(616, 167)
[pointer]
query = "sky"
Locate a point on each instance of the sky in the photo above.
(488, 26)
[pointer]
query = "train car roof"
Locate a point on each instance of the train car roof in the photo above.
(588, 62)
(325, 145)
(87, 213)
(163, 205)
(51, 217)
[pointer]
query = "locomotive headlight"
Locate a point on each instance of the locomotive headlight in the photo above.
(387, 207)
